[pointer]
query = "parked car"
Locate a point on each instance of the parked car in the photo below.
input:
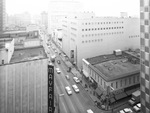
(132, 102)
(128, 110)
(76, 89)
(121, 111)
(67, 77)
(58, 71)
(76, 79)
(68, 90)
(137, 107)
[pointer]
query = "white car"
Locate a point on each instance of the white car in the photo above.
(68, 90)
(121, 111)
(137, 107)
(89, 111)
(58, 71)
(76, 89)
(67, 77)
(76, 79)
(128, 110)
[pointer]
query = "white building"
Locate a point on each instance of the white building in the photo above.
(6, 50)
(58, 9)
(85, 35)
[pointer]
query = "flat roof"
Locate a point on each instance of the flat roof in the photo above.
(25, 54)
(113, 67)
(3, 41)
(117, 67)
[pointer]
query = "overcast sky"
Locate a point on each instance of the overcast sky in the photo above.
(100, 7)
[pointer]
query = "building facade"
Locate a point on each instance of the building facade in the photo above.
(85, 35)
(24, 82)
(58, 9)
(2, 15)
(145, 55)
(116, 76)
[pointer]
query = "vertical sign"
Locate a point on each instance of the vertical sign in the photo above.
(50, 88)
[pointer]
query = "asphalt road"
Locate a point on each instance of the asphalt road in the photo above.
(75, 103)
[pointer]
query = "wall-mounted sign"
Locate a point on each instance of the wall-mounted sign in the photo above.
(50, 89)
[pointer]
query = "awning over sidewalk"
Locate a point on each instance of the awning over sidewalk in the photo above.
(120, 96)
(112, 100)
(68, 64)
(99, 92)
(129, 92)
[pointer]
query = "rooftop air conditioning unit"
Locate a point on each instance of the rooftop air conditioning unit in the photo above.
(117, 52)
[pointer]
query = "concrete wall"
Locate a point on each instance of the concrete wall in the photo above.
(23, 87)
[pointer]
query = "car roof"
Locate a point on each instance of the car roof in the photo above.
(75, 86)
(67, 87)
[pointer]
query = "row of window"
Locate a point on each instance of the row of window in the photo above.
(97, 23)
(134, 36)
(73, 28)
(64, 25)
(89, 41)
(125, 82)
(101, 34)
(105, 28)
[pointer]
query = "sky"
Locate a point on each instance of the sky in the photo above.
(99, 7)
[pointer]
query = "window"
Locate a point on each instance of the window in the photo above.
(121, 83)
(133, 79)
(125, 81)
(111, 84)
(116, 85)
(129, 80)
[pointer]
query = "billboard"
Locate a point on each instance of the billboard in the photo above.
(50, 88)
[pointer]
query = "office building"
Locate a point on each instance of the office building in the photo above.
(115, 75)
(58, 9)
(85, 35)
(2, 15)
(145, 55)
(44, 19)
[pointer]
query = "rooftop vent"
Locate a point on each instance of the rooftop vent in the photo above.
(117, 52)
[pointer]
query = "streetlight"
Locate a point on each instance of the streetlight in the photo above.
(59, 95)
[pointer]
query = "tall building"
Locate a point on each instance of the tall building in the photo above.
(44, 18)
(145, 55)
(58, 9)
(2, 15)
(85, 35)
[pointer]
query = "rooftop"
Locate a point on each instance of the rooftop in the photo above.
(3, 41)
(113, 67)
(25, 54)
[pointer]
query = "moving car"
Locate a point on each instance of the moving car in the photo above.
(58, 61)
(67, 77)
(76, 89)
(76, 80)
(58, 71)
(89, 111)
(68, 90)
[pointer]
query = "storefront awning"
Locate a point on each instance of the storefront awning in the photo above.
(129, 92)
(112, 100)
(120, 96)
(99, 92)
(68, 64)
